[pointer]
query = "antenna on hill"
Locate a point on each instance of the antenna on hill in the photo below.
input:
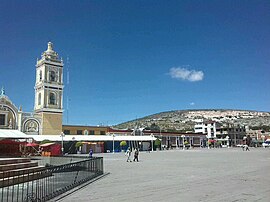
(67, 90)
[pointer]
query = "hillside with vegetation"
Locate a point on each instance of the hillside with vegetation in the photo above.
(184, 120)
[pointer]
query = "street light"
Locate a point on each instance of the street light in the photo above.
(113, 141)
(183, 142)
(228, 143)
(62, 136)
(152, 136)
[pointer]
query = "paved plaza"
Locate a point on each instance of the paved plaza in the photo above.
(177, 175)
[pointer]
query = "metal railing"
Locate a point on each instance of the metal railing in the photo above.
(48, 182)
(56, 161)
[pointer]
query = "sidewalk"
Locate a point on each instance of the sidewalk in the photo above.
(176, 175)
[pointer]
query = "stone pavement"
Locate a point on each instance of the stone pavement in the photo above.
(176, 175)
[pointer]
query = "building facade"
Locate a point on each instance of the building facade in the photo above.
(206, 127)
(214, 130)
(48, 108)
(49, 91)
(85, 130)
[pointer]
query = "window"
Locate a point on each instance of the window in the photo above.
(79, 132)
(67, 132)
(92, 132)
(52, 76)
(52, 100)
(40, 75)
(39, 99)
(2, 119)
(102, 133)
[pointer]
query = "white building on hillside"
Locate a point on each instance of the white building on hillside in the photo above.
(206, 127)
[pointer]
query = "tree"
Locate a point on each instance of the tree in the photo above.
(45, 141)
(154, 127)
(123, 143)
(157, 143)
(78, 145)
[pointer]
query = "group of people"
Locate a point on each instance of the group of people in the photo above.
(129, 154)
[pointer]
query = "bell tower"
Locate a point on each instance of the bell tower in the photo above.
(49, 91)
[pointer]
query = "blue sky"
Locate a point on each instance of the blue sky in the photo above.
(129, 59)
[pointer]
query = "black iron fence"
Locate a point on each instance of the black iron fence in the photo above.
(42, 184)
(56, 161)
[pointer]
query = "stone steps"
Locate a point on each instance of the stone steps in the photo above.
(19, 170)
(15, 166)
(12, 173)
(4, 161)
(4, 182)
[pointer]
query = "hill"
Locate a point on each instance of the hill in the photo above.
(183, 120)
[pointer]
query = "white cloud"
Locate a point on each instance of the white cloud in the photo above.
(192, 103)
(186, 74)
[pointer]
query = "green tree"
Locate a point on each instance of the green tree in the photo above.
(78, 146)
(154, 127)
(45, 141)
(123, 143)
(157, 143)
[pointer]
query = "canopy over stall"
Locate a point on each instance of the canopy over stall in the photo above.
(92, 138)
(11, 134)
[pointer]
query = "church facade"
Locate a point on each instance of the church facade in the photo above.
(46, 119)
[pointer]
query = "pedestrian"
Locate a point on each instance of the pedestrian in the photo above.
(91, 153)
(243, 147)
(246, 146)
(128, 154)
(136, 155)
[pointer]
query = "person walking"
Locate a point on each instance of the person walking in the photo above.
(246, 146)
(91, 153)
(136, 155)
(128, 154)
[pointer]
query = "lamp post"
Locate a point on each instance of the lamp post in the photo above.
(183, 141)
(152, 137)
(228, 143)
(113, 141)
(62, 136)
(263, 137)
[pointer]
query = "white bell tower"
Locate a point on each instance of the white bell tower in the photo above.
(49, 91)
